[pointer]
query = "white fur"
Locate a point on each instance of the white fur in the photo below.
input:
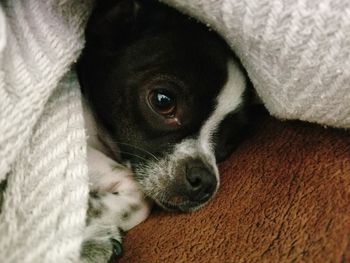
(118, 193)
(228, 100)
(105, 173)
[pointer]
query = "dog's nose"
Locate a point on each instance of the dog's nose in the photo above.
(200, 183)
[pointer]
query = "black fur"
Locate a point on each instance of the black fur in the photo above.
(133, 47)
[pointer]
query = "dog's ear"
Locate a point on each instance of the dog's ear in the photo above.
(112, 20)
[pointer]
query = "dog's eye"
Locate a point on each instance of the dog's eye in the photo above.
(163, 102)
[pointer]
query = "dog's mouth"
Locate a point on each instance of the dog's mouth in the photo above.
(168, 206)
(187, 206)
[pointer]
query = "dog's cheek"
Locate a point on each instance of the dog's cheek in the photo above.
(232, 131)
(157, 179)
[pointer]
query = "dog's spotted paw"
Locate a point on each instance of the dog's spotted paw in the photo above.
(101, 251)
(109, 216)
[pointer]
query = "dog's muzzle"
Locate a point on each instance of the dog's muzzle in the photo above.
(194, 185)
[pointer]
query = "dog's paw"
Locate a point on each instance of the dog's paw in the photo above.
(108, 216)
(101, 251)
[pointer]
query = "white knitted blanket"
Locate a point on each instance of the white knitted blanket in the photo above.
(42, 140)
(297, 53)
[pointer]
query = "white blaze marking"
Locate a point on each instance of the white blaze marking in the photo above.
(228, 100)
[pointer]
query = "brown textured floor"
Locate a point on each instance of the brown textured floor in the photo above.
(284, 197)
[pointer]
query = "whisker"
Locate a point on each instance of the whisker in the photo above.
(141, 158)
(138, 148)
(135, 155)
(156, 164)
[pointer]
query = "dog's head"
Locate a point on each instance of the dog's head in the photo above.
(169, 94)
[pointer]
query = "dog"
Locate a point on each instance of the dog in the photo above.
(166, 100)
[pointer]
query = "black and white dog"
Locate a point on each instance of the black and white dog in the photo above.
(166, 100)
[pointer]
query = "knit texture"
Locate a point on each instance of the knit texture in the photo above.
(297, 53)
(43, 215)
(42, 140)
(43, 38)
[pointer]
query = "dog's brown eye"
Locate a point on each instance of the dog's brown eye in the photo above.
(163, 102)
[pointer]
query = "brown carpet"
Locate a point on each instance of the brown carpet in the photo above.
(284, 197)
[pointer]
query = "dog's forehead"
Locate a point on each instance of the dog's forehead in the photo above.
(229, 99)
(178, 52)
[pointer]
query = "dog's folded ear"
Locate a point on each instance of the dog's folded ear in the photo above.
(112, 20)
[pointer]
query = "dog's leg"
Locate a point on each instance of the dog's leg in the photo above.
(115, 205)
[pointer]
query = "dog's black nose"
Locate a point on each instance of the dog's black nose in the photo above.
(200, 183)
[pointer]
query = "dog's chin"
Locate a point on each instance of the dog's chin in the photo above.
(185, 207)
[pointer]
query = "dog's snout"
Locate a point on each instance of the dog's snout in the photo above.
(200, 183)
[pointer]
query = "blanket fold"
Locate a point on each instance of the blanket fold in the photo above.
(42, 140)
(43, 214)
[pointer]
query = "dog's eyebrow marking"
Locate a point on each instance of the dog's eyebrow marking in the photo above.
(229, 99)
